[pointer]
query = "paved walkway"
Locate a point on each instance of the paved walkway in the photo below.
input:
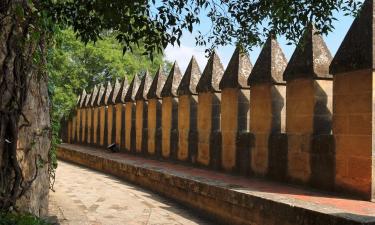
(84, 196)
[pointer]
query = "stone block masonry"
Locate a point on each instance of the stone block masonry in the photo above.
(235, 110)
(141, 122)
(86, 119)
(119, 101)
(209, 124)
(154, 114)
(111, 113)
(308, 103)
(92, 119)
(310, 121)
(105, 116)
(267, 105)
(187, 113)
(98, 115)
(169, 113)
(130, 141)
(354, 107)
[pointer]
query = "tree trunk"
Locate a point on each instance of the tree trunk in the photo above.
(34, 145)
(24, 112)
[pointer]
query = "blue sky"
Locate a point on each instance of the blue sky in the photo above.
(188, 48)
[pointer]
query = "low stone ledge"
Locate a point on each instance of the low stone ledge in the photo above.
(227, 199)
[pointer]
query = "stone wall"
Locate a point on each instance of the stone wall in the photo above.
(308, 121)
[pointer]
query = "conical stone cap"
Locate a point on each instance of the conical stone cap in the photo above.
(100, 95)
(311, 59)
(237, 72)
(107, 93)
(172, 82)
(122, 92)
(132, 90)
(270, 65)
(83, 99)
(114, 93)
(212, 74)
(357, 50)
(189, 81)
(144, 87)
(157, 85)
(88, 100)
(94, 96)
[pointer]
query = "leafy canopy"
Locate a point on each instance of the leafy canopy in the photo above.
(156, 24)
(73, 66)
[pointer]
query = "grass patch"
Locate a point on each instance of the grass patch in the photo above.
(20, 219)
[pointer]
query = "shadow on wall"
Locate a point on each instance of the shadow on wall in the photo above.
(174, 130)
(193, 131)
(322, 157)
(215, 136)
(278, 141)
(245, 139)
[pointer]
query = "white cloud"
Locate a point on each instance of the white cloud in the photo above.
(183, 56)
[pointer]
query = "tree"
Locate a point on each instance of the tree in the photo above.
(159, 23)
(73, 66)
(27, 25)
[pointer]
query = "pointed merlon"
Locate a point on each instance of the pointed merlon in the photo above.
(88, 99)
(270, 65)
(99, 97)
(132, 90)
(212, 74)
(94, 96)
(114, 93)
(172, 82)
(107, 93)
(122, 92)
(311, 59)
(157, 84)
(356, 51)
(237, 72)
(144, 87)
(189, 81)
(83, 99)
